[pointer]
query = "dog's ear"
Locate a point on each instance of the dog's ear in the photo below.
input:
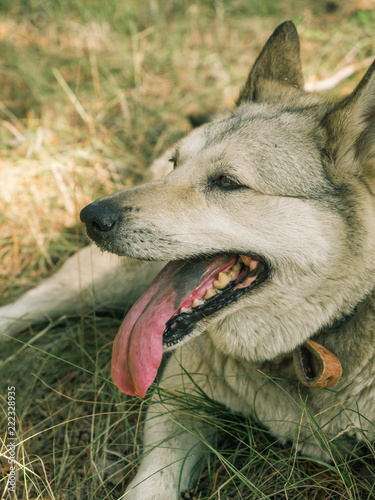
(279, 61)
(350, 129)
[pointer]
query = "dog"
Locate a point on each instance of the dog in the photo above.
(267, 304)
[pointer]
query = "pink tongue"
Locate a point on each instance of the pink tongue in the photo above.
(138, 346)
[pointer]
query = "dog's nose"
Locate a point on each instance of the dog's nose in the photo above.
(100, 219)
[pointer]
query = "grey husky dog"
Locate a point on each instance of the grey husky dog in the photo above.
(268, 221)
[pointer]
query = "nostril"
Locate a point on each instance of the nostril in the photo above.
(102, 227)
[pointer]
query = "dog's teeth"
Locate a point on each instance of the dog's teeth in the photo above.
(197, 302)
(237, 266)
(211, 292)
(253, 264)
(249, 262)
(222, 282)
(231, 274)
(184, 310)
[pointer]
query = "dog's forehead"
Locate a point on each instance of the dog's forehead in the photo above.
(252, 128)
(251, 131)
(193, 145)
(257, 123)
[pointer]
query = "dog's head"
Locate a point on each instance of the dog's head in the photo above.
(268, 219)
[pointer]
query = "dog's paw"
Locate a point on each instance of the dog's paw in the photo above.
(10, 324)
(160, 486)
(154, 493)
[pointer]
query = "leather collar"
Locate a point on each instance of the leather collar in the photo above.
(314, 364)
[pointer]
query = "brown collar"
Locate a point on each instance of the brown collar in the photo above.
(315, 365)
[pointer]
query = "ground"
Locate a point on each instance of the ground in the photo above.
(92, 92)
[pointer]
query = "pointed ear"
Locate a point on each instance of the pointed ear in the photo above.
(350, 127)
(279, 61)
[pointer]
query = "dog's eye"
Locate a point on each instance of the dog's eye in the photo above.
(226, 182)
(174, 161)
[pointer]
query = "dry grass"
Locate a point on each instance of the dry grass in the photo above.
(86, 106)
(90, 94)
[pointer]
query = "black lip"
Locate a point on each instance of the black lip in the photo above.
(180, 325)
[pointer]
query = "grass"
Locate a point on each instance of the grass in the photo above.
(91, 93)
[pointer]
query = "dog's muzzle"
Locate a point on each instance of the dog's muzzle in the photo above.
(100, 219)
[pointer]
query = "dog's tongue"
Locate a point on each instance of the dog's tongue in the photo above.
(138, 346)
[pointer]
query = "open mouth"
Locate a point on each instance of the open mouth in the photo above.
(183, 294)
(218, 290)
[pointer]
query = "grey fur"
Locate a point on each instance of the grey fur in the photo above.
(305, 206)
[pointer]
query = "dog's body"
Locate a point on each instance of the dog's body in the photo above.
(279, 197)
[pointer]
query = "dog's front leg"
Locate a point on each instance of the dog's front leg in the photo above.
(170, 454)
(88, 279)
(173, 437)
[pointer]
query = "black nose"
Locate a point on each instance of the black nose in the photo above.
(100, 219)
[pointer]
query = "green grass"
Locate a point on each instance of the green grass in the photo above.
(92, 92)
(73, 424)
